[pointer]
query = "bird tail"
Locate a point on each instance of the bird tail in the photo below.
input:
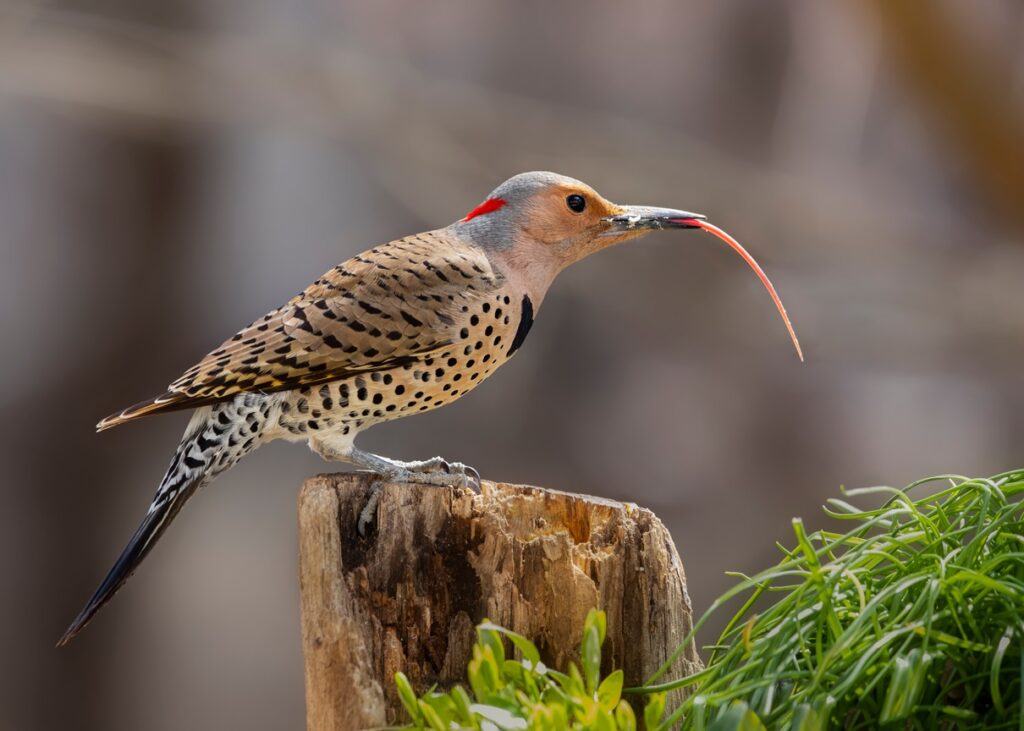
(215, 439)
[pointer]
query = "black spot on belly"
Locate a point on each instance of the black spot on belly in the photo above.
(525, 323)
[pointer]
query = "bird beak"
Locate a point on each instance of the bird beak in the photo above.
(639, 218)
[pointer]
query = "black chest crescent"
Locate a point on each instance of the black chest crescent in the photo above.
(525, 323)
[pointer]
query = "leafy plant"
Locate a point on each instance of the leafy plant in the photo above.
(914, 617)
(511, 694)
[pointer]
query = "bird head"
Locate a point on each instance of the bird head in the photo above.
(559, 219)
(535, 224)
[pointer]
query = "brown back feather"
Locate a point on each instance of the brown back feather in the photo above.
(387, 307)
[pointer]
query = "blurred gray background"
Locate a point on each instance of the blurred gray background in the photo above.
(171, 170)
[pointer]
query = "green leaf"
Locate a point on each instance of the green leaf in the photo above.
(542, 718)
(624, 717)
(513, 671)
(490, 638)
(737, 717)
(560, 715)
(462, 702)
(610, 690)
(408, 697)
(997, 663)
(443, 704)
(603, 720)
(575, 686)
(590, 655)
(586, 710)
(905, 685)
(654, 711)
(432, 717)
(553, 695)
(484, 676)
(476, 679)
(805, 718)
(527, 648)
(596, 618)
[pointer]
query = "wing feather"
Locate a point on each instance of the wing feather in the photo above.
(388, 306)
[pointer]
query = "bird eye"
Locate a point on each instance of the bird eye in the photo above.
(576, 202)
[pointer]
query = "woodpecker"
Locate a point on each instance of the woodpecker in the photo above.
(401, 329)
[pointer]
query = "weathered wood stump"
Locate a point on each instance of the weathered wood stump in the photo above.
(408, 596)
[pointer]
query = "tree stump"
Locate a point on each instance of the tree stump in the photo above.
(440, 560)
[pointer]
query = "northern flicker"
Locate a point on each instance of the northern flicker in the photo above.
(403, 328)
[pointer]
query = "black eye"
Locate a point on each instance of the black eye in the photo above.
(576, 203)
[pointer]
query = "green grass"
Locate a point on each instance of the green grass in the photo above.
(911, 618)
(914, 616)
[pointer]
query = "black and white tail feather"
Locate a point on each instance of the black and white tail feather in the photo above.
(216, 438)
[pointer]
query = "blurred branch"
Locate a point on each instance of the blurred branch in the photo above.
(961, 87)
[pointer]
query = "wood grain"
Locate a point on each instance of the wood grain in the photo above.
(408, 596)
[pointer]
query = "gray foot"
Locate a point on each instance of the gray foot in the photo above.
(436, 471)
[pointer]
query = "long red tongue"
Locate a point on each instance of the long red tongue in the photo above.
(710, 228)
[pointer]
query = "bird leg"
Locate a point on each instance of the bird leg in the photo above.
(436, 471)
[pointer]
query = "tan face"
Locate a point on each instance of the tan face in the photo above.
(535, 224)
(572, 220)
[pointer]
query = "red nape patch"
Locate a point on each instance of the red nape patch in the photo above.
(488, 206)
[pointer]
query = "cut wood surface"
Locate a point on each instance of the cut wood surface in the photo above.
(440, 560)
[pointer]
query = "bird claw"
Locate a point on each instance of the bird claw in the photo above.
(437, 471)
(467, 476)
(474, 482)
(439, 467)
